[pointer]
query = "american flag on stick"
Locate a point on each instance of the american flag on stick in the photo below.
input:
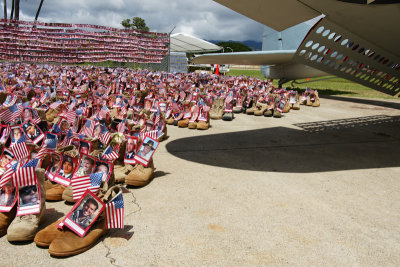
(89, 128)
(109, 154)
(121, 126)
(20, 149)
(11, 114)
(55, 104)
(81, 184)
(8, 174)
(115, 212)
(104, 111)
(104, 135)
(151, 134)
(25, 175)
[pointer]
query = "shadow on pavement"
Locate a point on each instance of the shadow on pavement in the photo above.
(357, 143)
(373, 102)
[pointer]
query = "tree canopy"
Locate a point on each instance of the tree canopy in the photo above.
(236, 47)
(137, 24)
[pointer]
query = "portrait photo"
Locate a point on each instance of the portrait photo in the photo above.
(7, 196)
(84, 147)
(7, 158)
(103, 167)
(131, 147)
(64, 125)
(16, 133)
(146, 151)
(54, 166)
(84, 213)
(67, 167)
(32, 131)
(85, 166)
(29, 196)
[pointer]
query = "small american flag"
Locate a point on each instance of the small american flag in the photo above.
(123, 110)
(151, 134)
(104, 135)
(81, 184)
(89, 128)
(68, 138)
(19, 149)
(121, 126)
(103, 112)
(55, 104)
(109, 154)
(25, 175)
(8, 174)
(70, 116)
(157, 119)
(115, 212)
(10, 114)
(44, 97)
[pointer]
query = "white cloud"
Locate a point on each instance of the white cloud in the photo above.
(205, 19)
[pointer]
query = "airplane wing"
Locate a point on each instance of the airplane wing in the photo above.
(355, 40)
(247, 58)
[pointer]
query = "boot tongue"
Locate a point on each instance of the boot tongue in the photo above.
(112, 192)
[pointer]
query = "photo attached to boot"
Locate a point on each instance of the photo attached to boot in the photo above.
(187, 113)
(281, 105)
(8, 196)
(29, 200)
(131, 148)
(16, 134)
(162, 105)
(203, 116)
(154, 105)
(65, 171)
(6, 160)
(85, 147)
(105, 168)
(146, 151)
(32, 131)
(84, 213)
(64, 126)
(54, 166)
(86, 166)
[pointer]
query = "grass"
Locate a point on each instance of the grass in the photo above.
(332, 85)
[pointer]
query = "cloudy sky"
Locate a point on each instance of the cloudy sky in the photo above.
(205, 19)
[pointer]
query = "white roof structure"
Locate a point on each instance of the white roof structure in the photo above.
(182, 42)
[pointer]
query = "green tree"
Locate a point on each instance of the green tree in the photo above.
(234, 47)
(137, 24)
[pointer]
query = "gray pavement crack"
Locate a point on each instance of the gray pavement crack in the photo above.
(108, 254)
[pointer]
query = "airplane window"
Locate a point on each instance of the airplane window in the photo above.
(331, 35)
(309, 43)
(320, 29)
(314, 57)
(355, 47)
(315, 46)
(302, 52)
(344, 41)
(337, 38)
(321, 49)
(326, 32)
(334, 54)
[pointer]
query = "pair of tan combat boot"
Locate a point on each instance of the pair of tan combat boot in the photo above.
(64, 243)
(25, 227)
(134, 175)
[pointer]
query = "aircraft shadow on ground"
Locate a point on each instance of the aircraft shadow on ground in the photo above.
(357, 143)
(373, 102)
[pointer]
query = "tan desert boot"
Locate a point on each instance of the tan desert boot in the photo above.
(140, 176)
(6, 218)
(54, 193)
(183, 123)
(67, 195)
(45, 236)
(67, 243)
(25, 227)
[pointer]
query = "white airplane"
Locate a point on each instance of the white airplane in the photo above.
(358, 40)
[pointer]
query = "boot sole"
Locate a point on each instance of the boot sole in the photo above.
(54, 197)
(12, 238)
(75, 252)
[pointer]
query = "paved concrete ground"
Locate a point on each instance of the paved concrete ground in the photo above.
(317, 187)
